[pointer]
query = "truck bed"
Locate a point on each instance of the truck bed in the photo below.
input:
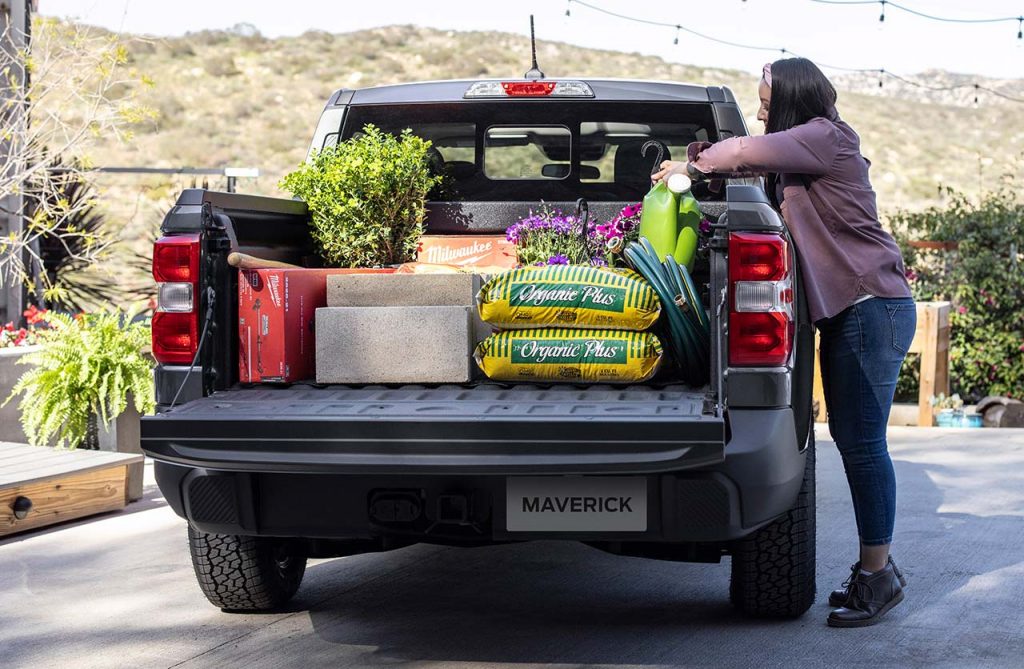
(484, 427)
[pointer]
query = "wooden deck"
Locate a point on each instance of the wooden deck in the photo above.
(61, 485)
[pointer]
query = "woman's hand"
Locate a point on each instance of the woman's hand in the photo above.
(668, 168)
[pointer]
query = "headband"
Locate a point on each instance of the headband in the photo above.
(767, 72)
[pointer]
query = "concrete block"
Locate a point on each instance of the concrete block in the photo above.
(395, 344)
(402, 290)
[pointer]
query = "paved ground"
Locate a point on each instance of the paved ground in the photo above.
(118, 591)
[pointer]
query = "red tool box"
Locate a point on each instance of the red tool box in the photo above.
(276, 312)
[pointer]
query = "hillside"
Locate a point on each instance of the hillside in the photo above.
(237, 98)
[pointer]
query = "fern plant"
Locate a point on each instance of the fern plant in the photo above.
(88, 365)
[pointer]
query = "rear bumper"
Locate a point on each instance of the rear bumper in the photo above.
(309, 487)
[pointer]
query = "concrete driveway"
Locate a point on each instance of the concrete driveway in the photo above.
(118, 591)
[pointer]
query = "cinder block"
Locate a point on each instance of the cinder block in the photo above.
(395, 344)
(402, 290)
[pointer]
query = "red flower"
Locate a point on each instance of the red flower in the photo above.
(962, 310)
(9, 327)
(910, 274)
(1021, 347)
(34, 314)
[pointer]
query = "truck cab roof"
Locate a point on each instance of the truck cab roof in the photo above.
(613, 90)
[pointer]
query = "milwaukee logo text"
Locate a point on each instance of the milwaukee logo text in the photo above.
(577, 505)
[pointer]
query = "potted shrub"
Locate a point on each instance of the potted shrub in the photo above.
(89, 369)
(948, 410)
(366, 197)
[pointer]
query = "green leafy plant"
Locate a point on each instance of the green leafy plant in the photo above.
(367, 197)
(983, 277)
(940, 402)
(88, 365)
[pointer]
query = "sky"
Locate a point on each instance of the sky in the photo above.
(850, 36)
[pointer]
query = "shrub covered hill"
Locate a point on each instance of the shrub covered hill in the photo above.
(237, 98)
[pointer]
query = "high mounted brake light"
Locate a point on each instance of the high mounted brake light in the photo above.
(529, 89)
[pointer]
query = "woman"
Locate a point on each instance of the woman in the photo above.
(857, 293)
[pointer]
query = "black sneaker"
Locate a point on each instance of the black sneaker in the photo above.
(837, 598)
(870, 597)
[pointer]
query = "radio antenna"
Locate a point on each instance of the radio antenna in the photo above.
(534, 72)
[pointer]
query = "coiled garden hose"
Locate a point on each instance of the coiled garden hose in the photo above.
(688, 339)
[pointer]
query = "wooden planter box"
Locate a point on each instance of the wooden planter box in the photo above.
(41, 486)
(935, 245)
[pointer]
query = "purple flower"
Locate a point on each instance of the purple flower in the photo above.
(558, 259)
(598, 261)
(910, 274)
(705, 226)
(631, 210)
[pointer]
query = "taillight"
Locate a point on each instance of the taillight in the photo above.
(761, 313)
(176, 321)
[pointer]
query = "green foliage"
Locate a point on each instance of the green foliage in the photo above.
(367, 197)
(88, 365)
(983, 278)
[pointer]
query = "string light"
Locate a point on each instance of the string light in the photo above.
(916, 12)
(881, 17)
(676, 40)
(882, 72)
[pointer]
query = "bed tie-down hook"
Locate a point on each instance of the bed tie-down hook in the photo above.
(662, 150)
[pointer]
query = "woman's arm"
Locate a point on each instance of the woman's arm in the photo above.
(809, 148)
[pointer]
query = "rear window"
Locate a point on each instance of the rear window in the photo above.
(543, 150)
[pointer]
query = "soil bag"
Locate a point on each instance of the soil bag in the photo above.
(574, 296)
(574, 356)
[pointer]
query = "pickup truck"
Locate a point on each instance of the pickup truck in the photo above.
(270, 475)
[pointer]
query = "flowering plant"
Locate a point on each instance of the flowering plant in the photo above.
(35, 332)
(549, 237)
(552, 238)
(620, 230)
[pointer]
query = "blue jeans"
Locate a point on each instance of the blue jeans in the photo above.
(862, 350)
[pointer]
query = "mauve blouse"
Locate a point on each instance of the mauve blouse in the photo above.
(829, 208)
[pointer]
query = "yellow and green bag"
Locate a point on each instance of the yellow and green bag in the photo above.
(571, 296)
(577, 356)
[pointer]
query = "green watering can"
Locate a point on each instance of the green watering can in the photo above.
(670, 219)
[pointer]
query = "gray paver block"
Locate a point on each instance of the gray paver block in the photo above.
(396, 344)
(402, 290)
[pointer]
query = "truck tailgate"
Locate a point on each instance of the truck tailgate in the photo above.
(486, 428)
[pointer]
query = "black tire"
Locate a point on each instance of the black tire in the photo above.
(246, 573)
(773, 570)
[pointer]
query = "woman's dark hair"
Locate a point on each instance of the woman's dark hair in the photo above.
(800, 92)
